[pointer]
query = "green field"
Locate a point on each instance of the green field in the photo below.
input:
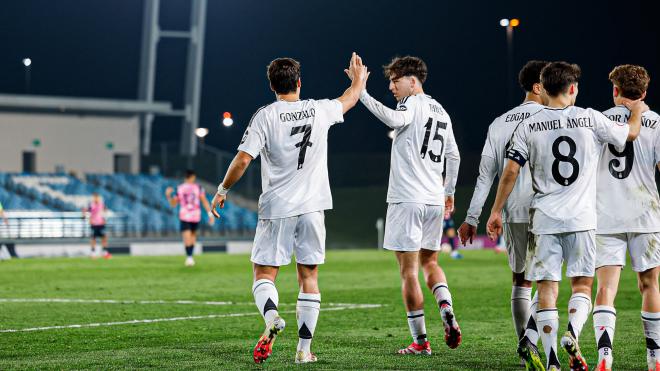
(350, 338)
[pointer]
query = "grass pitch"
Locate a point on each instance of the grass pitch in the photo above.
(222, 335)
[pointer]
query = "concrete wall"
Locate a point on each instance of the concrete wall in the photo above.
(74, 142)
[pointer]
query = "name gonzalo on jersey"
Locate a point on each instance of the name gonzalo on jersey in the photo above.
(295, 116)
(571, 123)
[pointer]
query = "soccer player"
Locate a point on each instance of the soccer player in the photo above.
(291, 135)
(449, 230)
(516, 209)
(2, 214)
(418, 197)
(562, 144)
(628, 219)
(96, 210)
(189, 195)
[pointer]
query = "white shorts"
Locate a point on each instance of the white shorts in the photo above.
(547, 252)
(412, 226)
(516, 237)
(276, 239)
(644, 249)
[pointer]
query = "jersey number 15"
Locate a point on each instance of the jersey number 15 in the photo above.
(437, 136)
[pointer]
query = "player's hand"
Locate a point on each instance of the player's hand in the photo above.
(218, 200)
(635, 105)
(168, 191)
(357, 71)
(449, 206)
(494, 226)
(466, 232)
(211, 219)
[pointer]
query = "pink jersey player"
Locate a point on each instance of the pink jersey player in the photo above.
(189, 205)
(96, 208)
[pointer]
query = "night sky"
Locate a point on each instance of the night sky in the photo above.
(92, 48)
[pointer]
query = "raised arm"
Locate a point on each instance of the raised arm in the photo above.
(236, 170)
(637, 108)
(358, 74)
(392, 118)
(172, 200)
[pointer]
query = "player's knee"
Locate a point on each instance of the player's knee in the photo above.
(606, 293)
(520, 281)
(648, 282)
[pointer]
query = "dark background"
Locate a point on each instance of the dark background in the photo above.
(91, 49)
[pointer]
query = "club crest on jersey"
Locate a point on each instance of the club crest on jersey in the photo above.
(402, 108)
(247, 131)
(296, 116)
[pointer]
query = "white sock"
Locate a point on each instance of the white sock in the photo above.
(548, 323)
(579, 306)
(442, 294)
(604, 322)
(651, 322)
(307, 314)
(520, 301)
(531, 331)
(417, 326)
(266, 298)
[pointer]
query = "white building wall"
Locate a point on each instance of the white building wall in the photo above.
(75, 142)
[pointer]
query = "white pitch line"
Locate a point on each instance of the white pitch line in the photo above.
(156, 320)
(110, 301)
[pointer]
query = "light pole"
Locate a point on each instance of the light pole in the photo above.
(27, 62)
(509, 26)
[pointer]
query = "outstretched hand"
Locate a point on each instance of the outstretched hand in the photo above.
(357, 71)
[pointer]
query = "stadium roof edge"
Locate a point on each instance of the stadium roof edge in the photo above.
(41, 103)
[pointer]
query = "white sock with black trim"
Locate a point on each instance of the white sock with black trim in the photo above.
(604, 324)
(651, 323)
(266, 297)
(548, 323)
(307, 314)
(417, 326)
(442, 295)
(579, 306)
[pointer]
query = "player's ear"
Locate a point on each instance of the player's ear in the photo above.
(643, 96)
(572, 89)
(299, 83)
(536, 88)
(615, 91)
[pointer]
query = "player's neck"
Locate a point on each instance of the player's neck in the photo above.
(291, 97)
(531, 97)
(559, 102)
(618, 101)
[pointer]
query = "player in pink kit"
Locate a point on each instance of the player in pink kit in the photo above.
(96, 210)
(189, 195)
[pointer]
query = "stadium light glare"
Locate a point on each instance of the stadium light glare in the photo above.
(227, 121)
(504, 22)
(514, 22)
(27, 62)
(391, 134)
(226, 115)
(201, 132)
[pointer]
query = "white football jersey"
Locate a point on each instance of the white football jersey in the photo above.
(562, 146)
(516, 209)
(628, 198)
(292, 138)
(419, 149)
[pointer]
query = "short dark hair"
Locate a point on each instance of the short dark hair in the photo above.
(406, 66)
(530, 74)
(189, 173)
(632, 80)
(556, 77)
(283, 74)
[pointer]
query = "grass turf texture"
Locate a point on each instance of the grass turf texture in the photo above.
(350, 339)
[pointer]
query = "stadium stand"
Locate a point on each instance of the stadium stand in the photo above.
(136, 203)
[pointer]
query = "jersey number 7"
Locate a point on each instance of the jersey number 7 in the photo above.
(306, 131)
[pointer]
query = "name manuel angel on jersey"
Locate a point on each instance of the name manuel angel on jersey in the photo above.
(571, 123)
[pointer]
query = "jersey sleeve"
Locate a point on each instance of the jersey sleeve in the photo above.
(487, 173)
(518, 150)
(254, 138)
(608, 131)
(395, 119)
(452, 162)
(333, 110)
(489, 147)
(656, 149)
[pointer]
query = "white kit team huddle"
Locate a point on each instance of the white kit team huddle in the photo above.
(576, 186)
